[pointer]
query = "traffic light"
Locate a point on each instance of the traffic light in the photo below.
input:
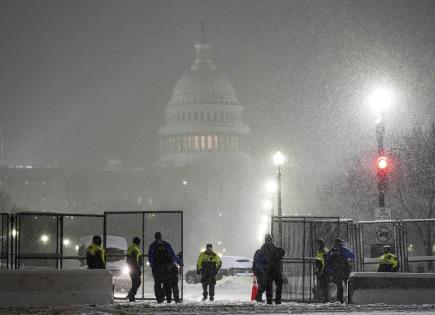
(382, 164)
(382, 167)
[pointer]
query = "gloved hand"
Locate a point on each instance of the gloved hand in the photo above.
(198, 272)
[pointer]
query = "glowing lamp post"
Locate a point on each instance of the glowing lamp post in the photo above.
(380, 100)
(278, 160)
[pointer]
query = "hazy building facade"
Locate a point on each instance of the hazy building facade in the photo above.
(202, 167)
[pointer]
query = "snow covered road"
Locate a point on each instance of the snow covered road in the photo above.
(225, 307)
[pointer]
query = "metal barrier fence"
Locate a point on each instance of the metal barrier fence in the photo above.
(413, 241)
(4, 258)
(143, 224)
(418, 245)
(52, 240)
(299, 236)
(372, 236)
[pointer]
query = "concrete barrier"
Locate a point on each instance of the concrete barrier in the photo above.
(391, 288)
(35, 287)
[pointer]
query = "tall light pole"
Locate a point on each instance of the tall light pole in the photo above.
(278, 160)
(380, 99)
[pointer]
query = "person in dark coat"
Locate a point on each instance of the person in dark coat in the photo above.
(322, 279)
(268, 266)
(161, 256)
(338, 266)
(173, 280)
(259, 269)
(95, 254)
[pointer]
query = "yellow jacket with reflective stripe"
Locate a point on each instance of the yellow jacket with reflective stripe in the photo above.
(320, 259)
(389, 259)
(94, 251)
(212, 257)
(133, 251)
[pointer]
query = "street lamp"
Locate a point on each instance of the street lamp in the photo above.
(278, 160)
(380, 100)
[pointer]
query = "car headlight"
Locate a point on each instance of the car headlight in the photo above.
(125, 270)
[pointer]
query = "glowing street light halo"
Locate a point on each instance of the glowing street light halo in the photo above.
(267, 204)
(278, 158)
(271, 186)
(381, 99)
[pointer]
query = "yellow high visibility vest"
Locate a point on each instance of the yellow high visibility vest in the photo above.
(94, 248)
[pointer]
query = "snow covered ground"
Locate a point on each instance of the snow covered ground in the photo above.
(232, 297)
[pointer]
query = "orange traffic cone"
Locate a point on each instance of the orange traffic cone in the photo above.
(254, 288)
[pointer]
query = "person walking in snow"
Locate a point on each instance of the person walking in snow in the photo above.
(338, 266)
(161, 257)
(208, 266)
(173, 280)
(134, 262)
(267, 264)
(322, 279)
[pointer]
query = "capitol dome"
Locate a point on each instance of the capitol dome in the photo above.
(203, 86)
(203, 117)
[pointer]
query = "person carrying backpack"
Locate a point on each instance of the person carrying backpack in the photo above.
(161, 257)
(338, 266)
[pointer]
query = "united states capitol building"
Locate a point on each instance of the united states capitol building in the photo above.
(202, 170)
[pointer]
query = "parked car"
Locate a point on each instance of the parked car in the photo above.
(231, 266)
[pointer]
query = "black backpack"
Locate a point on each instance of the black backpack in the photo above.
(340, 263)
(163, 257)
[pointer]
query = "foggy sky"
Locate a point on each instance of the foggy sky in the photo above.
(84, 81)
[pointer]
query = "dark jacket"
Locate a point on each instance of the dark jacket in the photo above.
(338, 262)
(161, 255)
(267, 260)
(260, 262)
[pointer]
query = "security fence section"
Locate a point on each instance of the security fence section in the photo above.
(4, 258)
(119, 230)
(419, 245)
(371, 238)
(298, 239)
(52, 240)
(413, 241)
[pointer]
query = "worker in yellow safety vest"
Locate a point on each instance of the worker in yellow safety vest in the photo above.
(134, 262)
(322, 278)
(208, 266)
(95, 254)
(388, 262)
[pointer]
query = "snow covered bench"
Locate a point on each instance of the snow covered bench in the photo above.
(35, 287)
(391, 288)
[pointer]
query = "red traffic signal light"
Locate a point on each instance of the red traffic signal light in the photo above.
(382, 163)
